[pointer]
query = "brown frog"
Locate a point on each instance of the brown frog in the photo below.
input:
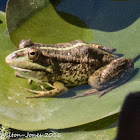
(70, 64)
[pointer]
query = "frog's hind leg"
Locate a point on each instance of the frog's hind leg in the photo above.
(109, 77)
(112, 75)
(104, 48)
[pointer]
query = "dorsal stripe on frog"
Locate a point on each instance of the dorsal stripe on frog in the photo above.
(66, 48)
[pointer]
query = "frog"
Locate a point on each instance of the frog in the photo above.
(65, 65)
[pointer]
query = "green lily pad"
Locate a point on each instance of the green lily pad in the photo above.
(54, 29)
(47, 26)
(104, 134)
(85, 132)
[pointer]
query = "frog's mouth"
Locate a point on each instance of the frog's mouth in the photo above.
(20, 69)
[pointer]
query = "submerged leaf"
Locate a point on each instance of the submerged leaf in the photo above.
(47, 26)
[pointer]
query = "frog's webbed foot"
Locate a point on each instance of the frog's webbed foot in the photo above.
(58, 88)
(102, 92)
(95, 92)
(87, 93)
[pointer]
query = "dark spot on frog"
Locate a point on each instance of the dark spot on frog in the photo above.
(1, 22)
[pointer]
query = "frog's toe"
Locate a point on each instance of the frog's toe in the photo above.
(87, 93)
(30, 81)
(40, 93)
(33, 91)
(35, 96)
(102, 92)
(46, 93)
(43, 88)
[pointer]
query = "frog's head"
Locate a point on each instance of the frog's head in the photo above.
(26, 58)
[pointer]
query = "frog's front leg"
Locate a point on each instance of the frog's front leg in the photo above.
(17, 74)
(109, 77)
(57, 89)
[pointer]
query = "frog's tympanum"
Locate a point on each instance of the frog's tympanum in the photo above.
(70, 64)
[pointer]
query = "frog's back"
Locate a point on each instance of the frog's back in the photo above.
(77, 52)
(74, 62)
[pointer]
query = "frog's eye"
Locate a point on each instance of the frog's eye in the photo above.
(25, 43)
(33, 54)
